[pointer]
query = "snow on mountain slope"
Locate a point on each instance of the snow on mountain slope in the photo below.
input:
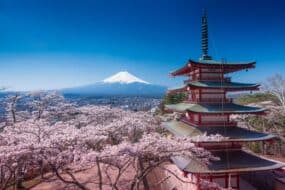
(124, 77)
(120, 84)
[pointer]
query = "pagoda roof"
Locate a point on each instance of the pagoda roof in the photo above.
(217, 85)
(208, 84)
(225, 63)
(231, 134)
(227, 67)
(230, 161)
(214, 108)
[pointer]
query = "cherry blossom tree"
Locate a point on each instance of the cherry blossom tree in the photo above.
(11, 107)
(62, 138)
(153, 151)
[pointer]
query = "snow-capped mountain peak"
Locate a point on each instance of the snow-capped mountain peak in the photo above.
(120, 84)
(124, 77)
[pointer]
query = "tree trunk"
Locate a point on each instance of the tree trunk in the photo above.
(144, 179)
(99, 174)
(13, 115)
(80, 186)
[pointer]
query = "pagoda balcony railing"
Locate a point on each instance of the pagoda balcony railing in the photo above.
(209, 123)
(223, 79)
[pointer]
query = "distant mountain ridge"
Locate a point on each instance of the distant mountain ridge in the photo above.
(120, 84)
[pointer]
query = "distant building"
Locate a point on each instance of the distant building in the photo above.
(207, 110)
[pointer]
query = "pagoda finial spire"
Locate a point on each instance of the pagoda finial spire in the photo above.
(205, 55)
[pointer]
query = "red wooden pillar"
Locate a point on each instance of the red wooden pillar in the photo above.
(237, 181)
(198, 182)
(228, 118)
(226, 180)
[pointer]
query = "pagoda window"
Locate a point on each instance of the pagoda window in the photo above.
(196, 117)
(211, 75)
(213, 90)
(197, 96)
(212, 70)
(190, 96)
(212, 96)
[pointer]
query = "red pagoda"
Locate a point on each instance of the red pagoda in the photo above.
(207, 110)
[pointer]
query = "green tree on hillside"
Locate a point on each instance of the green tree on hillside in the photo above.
(256, 97)
(172, 98)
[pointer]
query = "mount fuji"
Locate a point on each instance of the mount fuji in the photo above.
(124, 77)
(121, 84)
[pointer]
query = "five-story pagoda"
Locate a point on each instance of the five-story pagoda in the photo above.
(207, 110)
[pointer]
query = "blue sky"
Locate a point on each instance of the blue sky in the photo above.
(48, 44)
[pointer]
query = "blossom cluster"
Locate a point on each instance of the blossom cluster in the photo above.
(54, 135)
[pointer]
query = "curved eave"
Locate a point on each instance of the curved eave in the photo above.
(227, 88)
(231, 161)
(230, 86)
(226, 66)
(182, 71)
(227, 108)
(212, 63)
(175, 90)
(231, 134)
